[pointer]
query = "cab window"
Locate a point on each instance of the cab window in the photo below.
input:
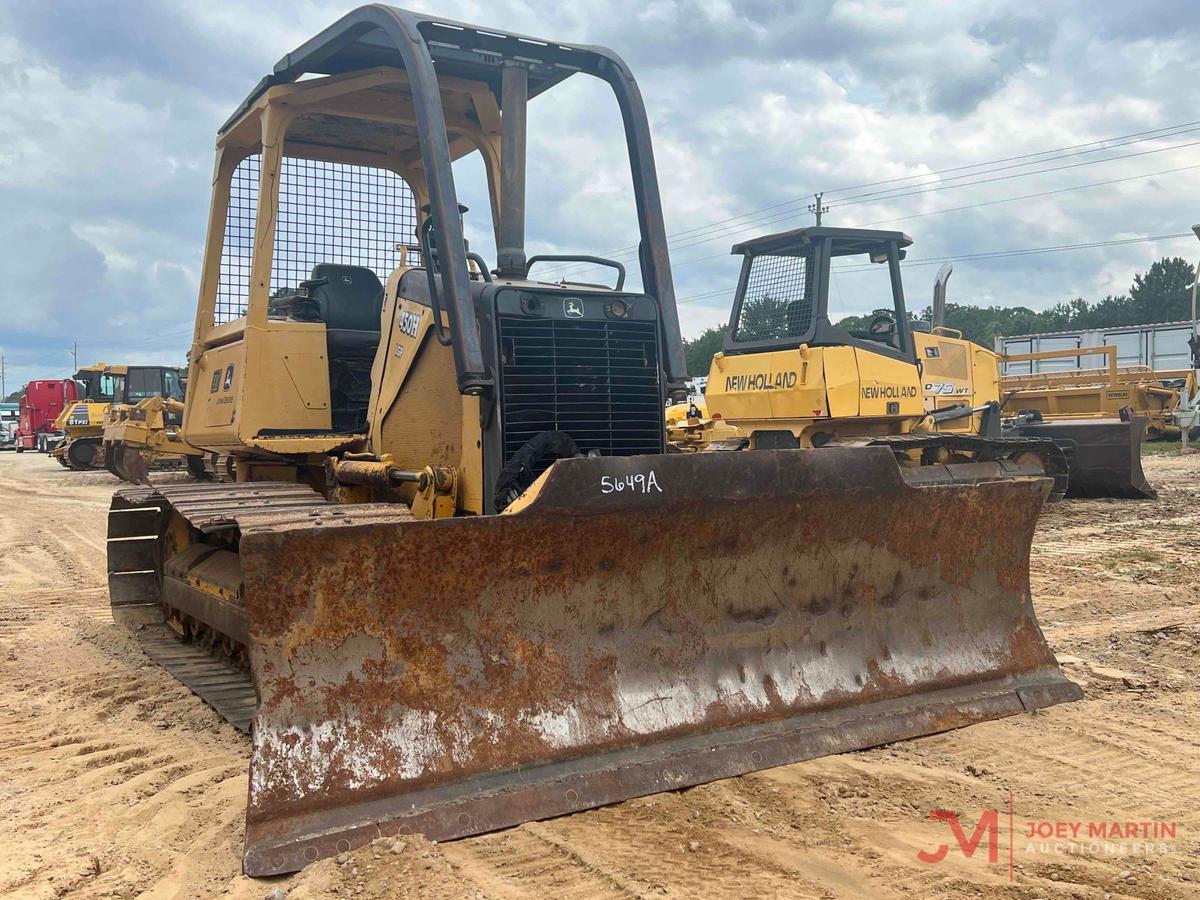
(109, 386)
(144, 383)
(173, 384)
(778, 301)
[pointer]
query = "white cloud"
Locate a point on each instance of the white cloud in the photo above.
(108, 112)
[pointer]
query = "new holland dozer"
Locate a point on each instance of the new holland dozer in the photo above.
(789, 377)
(459, 583)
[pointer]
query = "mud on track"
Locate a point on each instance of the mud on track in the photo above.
(116, 782)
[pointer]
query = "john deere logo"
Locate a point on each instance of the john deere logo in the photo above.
(573, 308)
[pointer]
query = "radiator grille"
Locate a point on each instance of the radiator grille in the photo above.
(597, 381)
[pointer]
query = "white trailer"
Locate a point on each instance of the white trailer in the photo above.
(1162, 347)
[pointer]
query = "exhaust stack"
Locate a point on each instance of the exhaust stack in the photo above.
(939, 295)
(514, 100)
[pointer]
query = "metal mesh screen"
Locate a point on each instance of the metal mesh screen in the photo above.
(233, 287)
(328, 213)
(339, 213)
(778, 302)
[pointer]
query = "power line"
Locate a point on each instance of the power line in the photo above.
(761, 221)
(879, 196)
(145, 341)
(1156, 134)
(1076, 187)
(986, 169)
(938, 212)
(1109, 143)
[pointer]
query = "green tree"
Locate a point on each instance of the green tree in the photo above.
(1161, 295)
(763, 318)
(15, 396)
(699, 351)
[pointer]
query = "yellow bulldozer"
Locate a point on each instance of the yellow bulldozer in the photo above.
(144, 436)
(459, 583)
(108, 392)
(80, 426)
(789, 377)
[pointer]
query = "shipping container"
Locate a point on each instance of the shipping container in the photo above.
(1162, 347)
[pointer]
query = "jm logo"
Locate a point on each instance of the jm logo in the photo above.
(573, 308)
(988, 825)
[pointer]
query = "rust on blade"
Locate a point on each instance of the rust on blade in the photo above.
(643, 624)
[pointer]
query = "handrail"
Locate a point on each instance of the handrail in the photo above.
(1108, 350)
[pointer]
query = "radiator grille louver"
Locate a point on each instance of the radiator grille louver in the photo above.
(598, 381)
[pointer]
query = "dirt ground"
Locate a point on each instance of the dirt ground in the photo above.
(116, 782)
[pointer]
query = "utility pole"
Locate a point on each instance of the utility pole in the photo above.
(816, 208)
(75, 356)
(3, 387)
(1189, 420)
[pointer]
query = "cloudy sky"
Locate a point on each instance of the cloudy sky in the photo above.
(987, 127)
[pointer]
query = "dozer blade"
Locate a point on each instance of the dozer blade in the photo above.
(1105, 455)
(127, 463)
(643, 624)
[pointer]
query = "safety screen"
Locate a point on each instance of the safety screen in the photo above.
(777, 302)
(328, 213)
(233, 287)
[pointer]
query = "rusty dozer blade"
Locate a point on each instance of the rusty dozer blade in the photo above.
(643, 624)
(1105, 455)
(126, 462)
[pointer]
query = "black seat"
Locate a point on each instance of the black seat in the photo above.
(348, 297)
(349, 300)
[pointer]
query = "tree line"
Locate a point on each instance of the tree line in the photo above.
(1160, 294)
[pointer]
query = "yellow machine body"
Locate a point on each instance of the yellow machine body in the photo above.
(144, 436)
(843, 393)
(81, 424)
(1101, 393)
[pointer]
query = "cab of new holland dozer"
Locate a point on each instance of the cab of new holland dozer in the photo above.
(786, 367)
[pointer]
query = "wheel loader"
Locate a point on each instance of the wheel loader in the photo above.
(789, 377)
(459, 584)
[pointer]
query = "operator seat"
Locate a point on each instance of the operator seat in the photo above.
(349, 300)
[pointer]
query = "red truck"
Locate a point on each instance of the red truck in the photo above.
(40, 406)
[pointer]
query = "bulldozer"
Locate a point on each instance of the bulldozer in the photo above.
(690, 428)
(79, 427)
(790, 377)
(144, 436)
(105, 388)
(459, 583)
